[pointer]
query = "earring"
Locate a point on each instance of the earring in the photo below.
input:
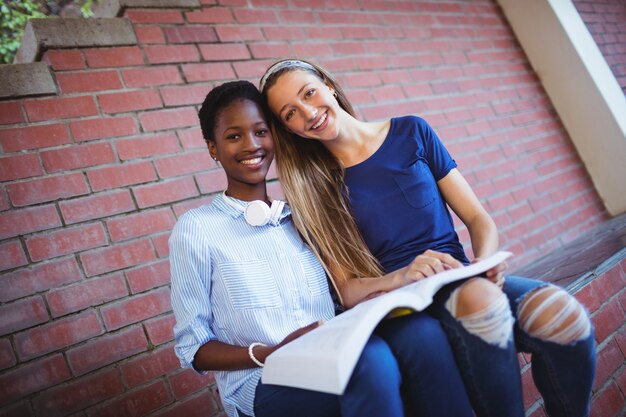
(335, 94)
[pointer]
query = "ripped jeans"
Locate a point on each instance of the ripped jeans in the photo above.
(562, 372)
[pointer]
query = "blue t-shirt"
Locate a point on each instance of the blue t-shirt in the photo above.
(395, 199)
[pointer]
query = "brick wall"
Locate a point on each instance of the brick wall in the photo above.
(93, 179)
(606, 20)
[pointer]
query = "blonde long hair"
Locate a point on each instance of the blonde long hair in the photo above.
(313, 181)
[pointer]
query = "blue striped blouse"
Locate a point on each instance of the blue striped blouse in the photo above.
(240, 284)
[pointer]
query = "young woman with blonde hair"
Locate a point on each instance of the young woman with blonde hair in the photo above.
(372, 197)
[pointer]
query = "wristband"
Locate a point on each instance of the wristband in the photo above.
(251, 353)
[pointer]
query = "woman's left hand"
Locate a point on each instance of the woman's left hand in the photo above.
(496, 274)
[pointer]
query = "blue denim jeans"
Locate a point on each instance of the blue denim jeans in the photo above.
(406, 368)
(563, 374)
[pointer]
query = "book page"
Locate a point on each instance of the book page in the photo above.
(323, 359)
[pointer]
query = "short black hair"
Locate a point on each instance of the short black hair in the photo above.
(223, 95)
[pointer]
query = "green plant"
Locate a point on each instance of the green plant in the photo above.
(15, 14)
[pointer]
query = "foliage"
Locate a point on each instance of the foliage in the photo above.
(15, 14)
(14, 17)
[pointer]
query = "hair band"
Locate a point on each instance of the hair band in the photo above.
(280, 65)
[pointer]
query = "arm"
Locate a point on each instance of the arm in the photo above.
(352, 290)
(481, 227)
(218, 356)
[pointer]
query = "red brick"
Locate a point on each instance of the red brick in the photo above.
(32, 377)
(608, 319)
(121, 56)
(150, 77)
(200, 405)
(96, 206)
(47, 189)
(21, 222)
(183, 207)
(22, 314)
(187, 382)
(66, 241)
(112, 258)
(60, 108)
(529, 389)
(33, 137)
(63, 60)
(41, 277)
(239, 33)
(140, 224)
(11, 112)
(160, 330)
(251, 69)
(88, 293)
(109, 348)
(168, 119)
(149, 34)
(129, 101)
(135, 309)
(80, 393)
(607, 403)
(82, 82)
(609, 359)
(167, 54)
(144, 146)
(154, 16)
(7, 356)
(270, 50)
(285, 33)
(210, 15)
(20, 409)
(256, 16)
(183, 96)
(121, 175)
(182, 164)
(165, 192)
(57, 335)
(160, 243)
(190, 34)
(75, 157)
(140, 402)
(208, 72)
(594, 294)
(149, 366)
(148, 276)
(620, 379)
(192, 138)
(309, 17)
(92, 129)
(20, 166)
(224, 52)
(212, 181)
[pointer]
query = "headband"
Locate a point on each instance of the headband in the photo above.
(281, 65)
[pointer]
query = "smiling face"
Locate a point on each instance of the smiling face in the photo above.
(244, 146)
(305, 105)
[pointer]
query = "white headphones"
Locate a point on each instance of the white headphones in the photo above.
(257, 212)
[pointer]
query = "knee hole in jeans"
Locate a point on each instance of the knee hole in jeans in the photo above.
(549, 313)
(483, 310)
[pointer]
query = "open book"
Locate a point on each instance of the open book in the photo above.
(323, 359)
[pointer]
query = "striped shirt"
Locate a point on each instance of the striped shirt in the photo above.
(241, 284)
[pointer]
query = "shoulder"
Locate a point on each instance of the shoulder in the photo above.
(200, 218)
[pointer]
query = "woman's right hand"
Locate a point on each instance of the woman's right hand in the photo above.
(301, 331)
(429, 263)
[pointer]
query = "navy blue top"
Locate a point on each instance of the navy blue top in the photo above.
(395, 199)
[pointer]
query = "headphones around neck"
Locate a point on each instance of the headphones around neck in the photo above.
(257, 212)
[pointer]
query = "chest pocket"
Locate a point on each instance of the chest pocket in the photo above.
(314, 273)
(417, 185)
(250, 284)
